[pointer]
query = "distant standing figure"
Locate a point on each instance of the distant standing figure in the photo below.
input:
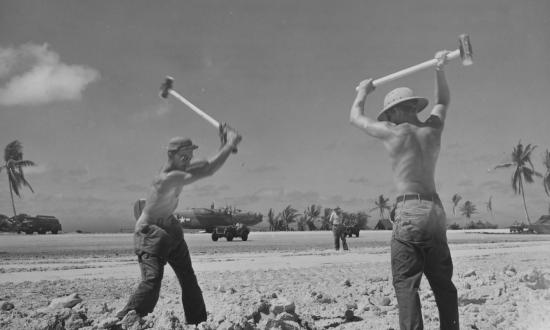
(419, 240)
(158, 236)
(338, 229)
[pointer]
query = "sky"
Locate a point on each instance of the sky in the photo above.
(79, 85)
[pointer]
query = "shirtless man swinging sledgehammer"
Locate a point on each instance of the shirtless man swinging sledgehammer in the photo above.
(158, 236)
(419, 242)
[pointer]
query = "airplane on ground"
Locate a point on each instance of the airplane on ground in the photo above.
(208, 219)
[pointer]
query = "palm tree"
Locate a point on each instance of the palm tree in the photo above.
(523, 170)
(546, 177)
(456, 198)
(311, 214)
(301, 224)
(272, 220)
(362, 219)
(467, 209)
(489, 206)
(14, 163)
(288, 215)
(381, 205)
(325, 219)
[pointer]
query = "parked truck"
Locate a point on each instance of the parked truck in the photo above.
(40, 224)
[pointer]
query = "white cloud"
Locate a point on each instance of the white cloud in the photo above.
(35, 75)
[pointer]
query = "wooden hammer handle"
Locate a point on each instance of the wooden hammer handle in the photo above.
(198, 111)
(415, 68)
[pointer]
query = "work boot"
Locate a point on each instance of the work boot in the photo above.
(131, 321)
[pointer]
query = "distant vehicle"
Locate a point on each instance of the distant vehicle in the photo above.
(517, 227)
(40, 224)
(352, 230)
(221, 221)
(230, 232)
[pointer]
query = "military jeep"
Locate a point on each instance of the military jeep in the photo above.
(40, 224)
(351, 230)
(517, 227)
(230, 232)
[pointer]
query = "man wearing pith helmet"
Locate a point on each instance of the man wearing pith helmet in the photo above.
(158, 236)
(419, 240)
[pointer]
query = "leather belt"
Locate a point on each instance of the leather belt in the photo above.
(423, 197)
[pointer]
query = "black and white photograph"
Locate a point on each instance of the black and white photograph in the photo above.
(274, 164)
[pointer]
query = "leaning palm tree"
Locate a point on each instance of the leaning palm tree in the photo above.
(14, 163)
(288, 215)
(523, 170)
(467, 209)
(546, 177)
(456, 199)
(381, 205)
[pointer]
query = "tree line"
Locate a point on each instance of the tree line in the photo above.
(314, 217)
(523, 172)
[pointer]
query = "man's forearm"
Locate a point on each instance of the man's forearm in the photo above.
(442, 94)
(219, 159)
(358, 106)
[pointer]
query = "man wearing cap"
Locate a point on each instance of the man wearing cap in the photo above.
(338, 230)
(419, 240)
(158, 237)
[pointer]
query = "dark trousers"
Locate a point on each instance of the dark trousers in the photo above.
(419, 246)
(155, 247)
(339, 233)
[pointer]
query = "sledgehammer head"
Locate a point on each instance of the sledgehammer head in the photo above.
(166, 86)
(465, 49)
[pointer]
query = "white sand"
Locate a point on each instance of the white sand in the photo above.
(301, 267)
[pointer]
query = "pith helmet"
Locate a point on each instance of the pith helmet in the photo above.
(401, 95)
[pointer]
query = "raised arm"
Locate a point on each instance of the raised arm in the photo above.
(357, 117)
(200, 169)
(442, 94)
(212, 165)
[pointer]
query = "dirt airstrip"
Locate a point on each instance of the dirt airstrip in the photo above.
(273, 281)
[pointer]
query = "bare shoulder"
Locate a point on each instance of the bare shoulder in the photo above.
(174, 177)
(381, 129)
(191, 173)
(434, 121)
(173, 174)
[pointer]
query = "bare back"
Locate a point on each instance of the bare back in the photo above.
(413, 151)
(412, 145)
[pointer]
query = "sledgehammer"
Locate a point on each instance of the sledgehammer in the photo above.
(166, 89)
(464, 51)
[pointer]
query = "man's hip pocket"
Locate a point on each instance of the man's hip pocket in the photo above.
(153, 240)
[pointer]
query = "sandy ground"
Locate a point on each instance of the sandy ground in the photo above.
(503, 282)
